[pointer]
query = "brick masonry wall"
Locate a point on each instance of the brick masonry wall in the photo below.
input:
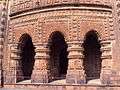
(74, 22)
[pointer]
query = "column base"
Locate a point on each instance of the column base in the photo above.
(75, 77)
(40, 76)
(106, 77)
(10, 77)
(10, 80)
(112, 77)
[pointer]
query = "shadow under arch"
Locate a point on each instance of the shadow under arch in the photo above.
(92, 56)
(26, 61)
(58, 62)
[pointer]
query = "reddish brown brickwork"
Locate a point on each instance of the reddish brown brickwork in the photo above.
(73, 40)
(3, 25)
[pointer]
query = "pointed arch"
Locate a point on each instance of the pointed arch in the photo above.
(58, 62)
(27, 53)
(92, 55)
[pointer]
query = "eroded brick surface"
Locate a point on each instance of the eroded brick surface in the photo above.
(73, 19)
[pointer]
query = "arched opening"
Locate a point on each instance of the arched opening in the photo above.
(58, 62)
(27, 60)
(92, 56)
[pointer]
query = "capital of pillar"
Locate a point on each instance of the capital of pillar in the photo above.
(40, 72)
(75, 73)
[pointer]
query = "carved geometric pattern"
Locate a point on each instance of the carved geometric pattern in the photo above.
(52, 25)
(21, 5)
(73, 22)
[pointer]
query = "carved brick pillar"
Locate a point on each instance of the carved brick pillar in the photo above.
(19, 73)
(40, 72)
(106, 62)
(75, 73)
(13, 64)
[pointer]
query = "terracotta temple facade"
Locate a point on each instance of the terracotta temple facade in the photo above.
(49, 40)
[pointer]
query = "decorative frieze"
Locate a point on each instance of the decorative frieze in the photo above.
(18, 6)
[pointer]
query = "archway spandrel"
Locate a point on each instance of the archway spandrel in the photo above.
(86, 26)
(19, 31)
(52, 26)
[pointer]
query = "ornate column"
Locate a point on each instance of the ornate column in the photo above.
(14, 60)
(40, 72)
(106, 47)
(75, 73)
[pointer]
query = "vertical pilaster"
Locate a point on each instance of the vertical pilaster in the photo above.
(106, 62)
(19, 74)
(40, 72)
(14, 58)
(75, 73)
